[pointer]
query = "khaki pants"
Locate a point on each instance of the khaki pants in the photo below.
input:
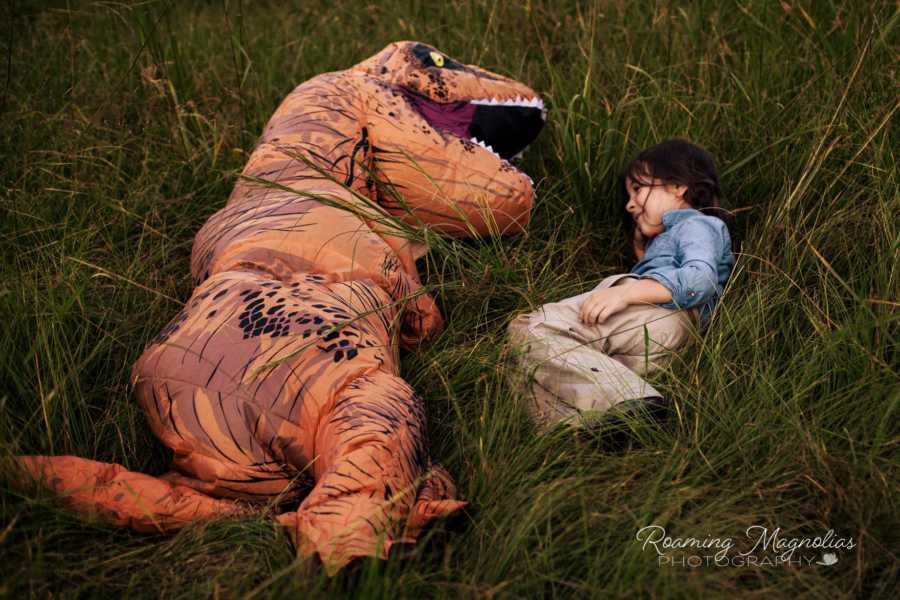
(577, 372)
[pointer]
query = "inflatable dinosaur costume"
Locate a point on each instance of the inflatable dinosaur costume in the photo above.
(280, 372)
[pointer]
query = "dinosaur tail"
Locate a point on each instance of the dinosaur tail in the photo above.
(125, 498)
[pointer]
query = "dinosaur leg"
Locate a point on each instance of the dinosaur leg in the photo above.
(125, 498)
(375, 483)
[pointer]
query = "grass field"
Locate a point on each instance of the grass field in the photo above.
(123, 127)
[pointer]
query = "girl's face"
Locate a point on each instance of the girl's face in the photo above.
(649, 199)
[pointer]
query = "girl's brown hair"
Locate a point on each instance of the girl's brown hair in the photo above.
(679, 161)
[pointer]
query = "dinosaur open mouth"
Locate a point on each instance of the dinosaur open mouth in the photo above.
(505, 127)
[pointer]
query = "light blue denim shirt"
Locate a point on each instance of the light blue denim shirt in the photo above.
(692, 258)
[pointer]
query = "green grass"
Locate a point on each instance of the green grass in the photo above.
(124, 125)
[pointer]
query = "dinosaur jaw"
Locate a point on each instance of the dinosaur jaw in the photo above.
(505, 127)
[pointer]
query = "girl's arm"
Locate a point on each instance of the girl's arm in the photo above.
(692, 281)
(694, 278)
(608, 301)
(644, 291)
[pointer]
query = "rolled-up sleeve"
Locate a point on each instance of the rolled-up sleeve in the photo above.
(693, 279)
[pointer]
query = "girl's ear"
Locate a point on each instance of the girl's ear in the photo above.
(680, 190)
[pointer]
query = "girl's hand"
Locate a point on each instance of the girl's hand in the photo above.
(638, 242)
(601, 304)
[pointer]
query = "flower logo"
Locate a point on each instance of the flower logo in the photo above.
(828, 559)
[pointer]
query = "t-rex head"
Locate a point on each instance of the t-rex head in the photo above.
(463, 100)
(441, 133)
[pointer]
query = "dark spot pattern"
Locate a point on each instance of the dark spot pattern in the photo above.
(173, 326)
(263, 314)
(281, 312)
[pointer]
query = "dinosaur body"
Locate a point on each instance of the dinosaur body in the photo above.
(279, 378)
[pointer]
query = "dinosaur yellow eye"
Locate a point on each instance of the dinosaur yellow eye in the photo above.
(437, 59)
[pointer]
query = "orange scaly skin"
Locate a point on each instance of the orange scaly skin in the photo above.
(278, 379)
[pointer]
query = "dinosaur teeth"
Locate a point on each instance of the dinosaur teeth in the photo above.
(517, 101)
(475, 140)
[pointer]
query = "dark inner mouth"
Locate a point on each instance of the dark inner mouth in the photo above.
(506, 129)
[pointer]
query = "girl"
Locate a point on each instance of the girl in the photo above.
(588, 352)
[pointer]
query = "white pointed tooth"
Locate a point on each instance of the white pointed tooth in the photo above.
(517, 101)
